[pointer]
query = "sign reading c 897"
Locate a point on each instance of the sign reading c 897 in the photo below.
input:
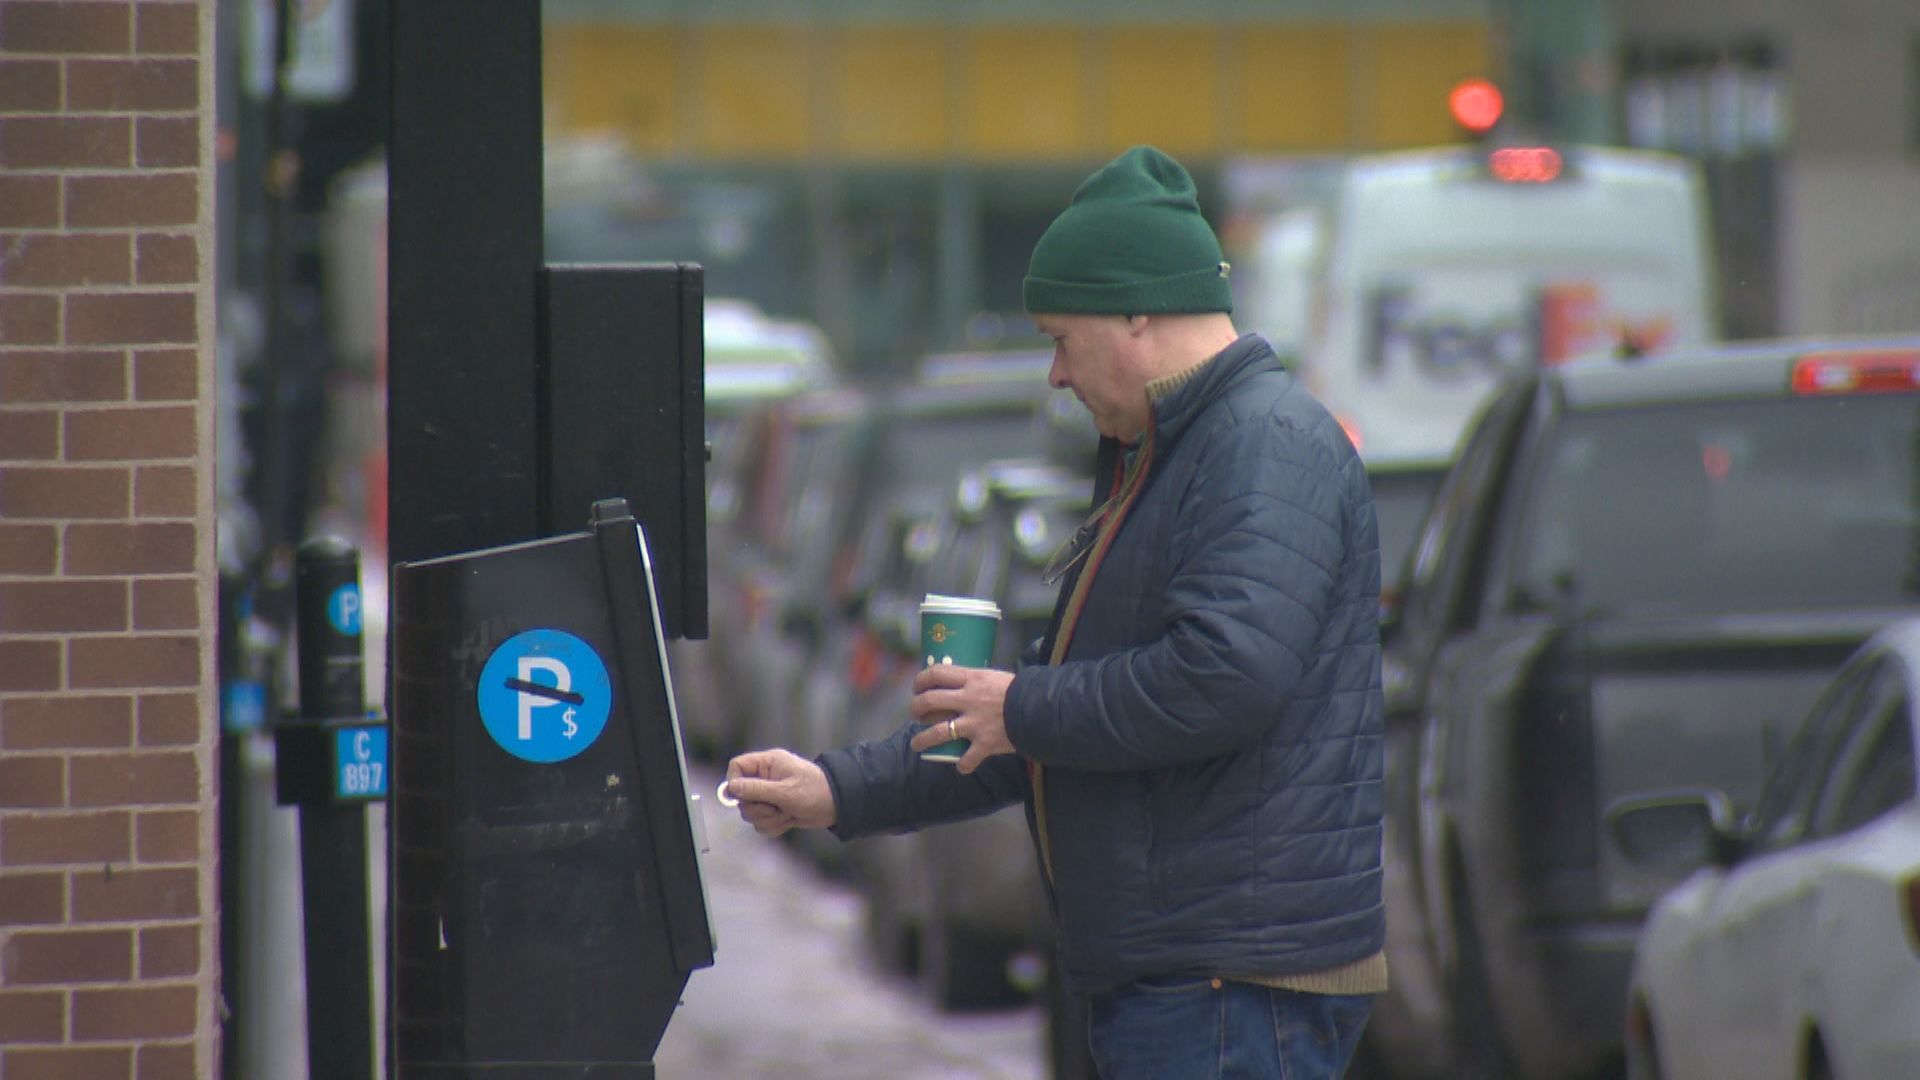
(360, 762)
(544, 695)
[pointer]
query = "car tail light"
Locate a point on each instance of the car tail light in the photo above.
(1858, 373)
(1911, 894)
(1353, 433)
(1525, 164)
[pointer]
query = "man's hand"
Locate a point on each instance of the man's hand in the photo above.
(779, 790)
(974, 699)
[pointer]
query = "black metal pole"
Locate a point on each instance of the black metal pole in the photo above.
(333, 836)
(277, 183)
(464, 250)
(233, 779)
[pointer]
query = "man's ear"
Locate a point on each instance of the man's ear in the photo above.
(1136, 325)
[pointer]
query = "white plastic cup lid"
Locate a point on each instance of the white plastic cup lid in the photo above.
(960, 605)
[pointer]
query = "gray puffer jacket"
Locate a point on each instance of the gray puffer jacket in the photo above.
(1211, 741)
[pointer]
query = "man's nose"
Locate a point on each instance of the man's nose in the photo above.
(1056, 377)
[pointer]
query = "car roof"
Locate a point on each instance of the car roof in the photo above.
(1030, 477)
(1707, 372)
(998, 394)
(1421, 165)
(1903, 637)
(826, 406)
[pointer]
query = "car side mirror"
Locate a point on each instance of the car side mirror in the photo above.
(884, 621)
(1397, 688)
(1673, 829)
(903, 632)
(853, 606)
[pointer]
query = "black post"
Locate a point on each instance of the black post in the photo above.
(233, 786)
(333, 835)
(464, 252)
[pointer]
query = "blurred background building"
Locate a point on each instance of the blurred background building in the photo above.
(878, 171)
(884, 168)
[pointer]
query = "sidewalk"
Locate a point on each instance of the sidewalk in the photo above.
(790, 995)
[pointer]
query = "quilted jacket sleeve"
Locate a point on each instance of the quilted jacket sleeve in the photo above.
(1258, 548)
(883, 786)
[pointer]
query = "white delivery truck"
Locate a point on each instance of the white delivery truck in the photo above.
(1407, 282)
(1404, 284)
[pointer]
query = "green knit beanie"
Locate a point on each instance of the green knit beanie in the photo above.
(1132, 242)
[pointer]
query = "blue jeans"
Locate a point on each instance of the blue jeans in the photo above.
(1186, 1028)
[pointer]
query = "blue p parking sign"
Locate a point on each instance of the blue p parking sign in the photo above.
(343, 610)
(544, 695)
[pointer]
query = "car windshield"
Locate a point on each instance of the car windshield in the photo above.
(1728, 506)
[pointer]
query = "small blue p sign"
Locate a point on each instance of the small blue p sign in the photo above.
(343, 610)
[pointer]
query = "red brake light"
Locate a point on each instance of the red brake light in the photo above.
(1857, 373)
(1524, 164)
(863, 661)
(1476, 105)
(1353, 433)
(1717, 461)
(755, 603)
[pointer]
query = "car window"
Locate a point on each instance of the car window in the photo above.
(1782, 815)
(1873, 772)
(741, 475)
(927, 447)
(956, 568)
(1448, 535)
(1728, 506)
(726, 451)
(1401, 499)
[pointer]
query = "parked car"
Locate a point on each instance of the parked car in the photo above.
(753, 363)
(1636, 576)
(789, 666)
(961, 906)
(984, 930)
(1794, 953)
(773, 501)
(919, 437)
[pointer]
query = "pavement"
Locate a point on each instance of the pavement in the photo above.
(791, 994)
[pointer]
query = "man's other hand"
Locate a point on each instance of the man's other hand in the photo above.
(974, 699)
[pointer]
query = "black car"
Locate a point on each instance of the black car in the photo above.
(775, 498)
(1634, 578)
(961, 905)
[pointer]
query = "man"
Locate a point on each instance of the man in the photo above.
(1199, 740)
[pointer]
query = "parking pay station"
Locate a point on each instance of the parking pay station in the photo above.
(548, 898)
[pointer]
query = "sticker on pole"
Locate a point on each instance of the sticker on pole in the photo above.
(544, 695)
(343, 610)
(360, 763)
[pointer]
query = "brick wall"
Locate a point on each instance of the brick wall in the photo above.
(108, 921)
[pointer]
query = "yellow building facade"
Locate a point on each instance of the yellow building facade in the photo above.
(923, 92)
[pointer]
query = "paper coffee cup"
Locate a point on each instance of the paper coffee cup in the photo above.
(956, 630)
